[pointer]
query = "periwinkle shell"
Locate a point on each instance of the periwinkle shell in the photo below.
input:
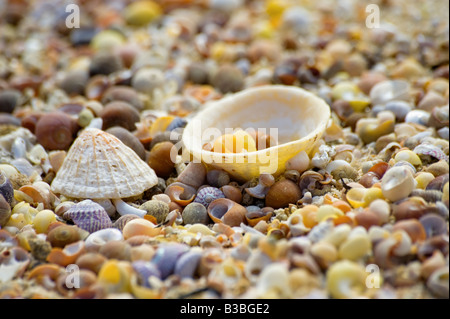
(208, 194)
(89, 216)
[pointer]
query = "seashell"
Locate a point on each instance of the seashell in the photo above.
(119, 113)
(414, 207)
(180, 193)
(321, 231)
(56, 159)
(369, 130)
(166, 257)
(114, 276)
(255, 265)
(245, 166)
(444, 133)
(6, 188)
(141, 13)
(144, 271)
(226, 211)
(128, 139)
(274, 281)
(157, 209)
(382, 209)
(254, 217)
(67, 255)
(217, 178)
(194, 175)
(437, 283)
(141, 252)
(386, 91)
(85, 280)
(228, 79)
(429, 246)
(42, 220)
(341, 169)
(324, 253)
(89, 216)
(91, 261)
(346, 280)
(428, 195)
(46, 272)
(423, 179)
(413, 228)
(397, 183)
(116, 249)
(13, 263)
(434, 225)
(296, 225)
(195, 213)
(399, 108)
(104, 63)
(355, 247)
(283, 193)
(177, 124)
(55, 130)
(138, 227)
(83, 181)
(122, 93)
(430, 150)
(232, 192)
(97, 239)
(146, 80)
(299, 162)
(160, 159)
(439, 117)
(208, 194)
(63, 235)
(9, 99)
(187, 264)
(438, 183)
(264, 183)
(439, 168)
(431, 264)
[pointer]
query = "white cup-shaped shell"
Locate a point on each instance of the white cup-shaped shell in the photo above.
(397, 183)
(290, 115)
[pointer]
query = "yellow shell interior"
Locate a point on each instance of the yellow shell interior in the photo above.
(298, 117)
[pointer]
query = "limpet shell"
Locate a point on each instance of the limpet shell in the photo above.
(114, 162)
(291, 104)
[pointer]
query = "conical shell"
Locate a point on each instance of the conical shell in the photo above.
(99, 165)
(297, 117)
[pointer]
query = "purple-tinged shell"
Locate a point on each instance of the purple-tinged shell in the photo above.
(430, 150)
(144, 270)
(178, 122)
(89, 216)
(187, 264)
(166, 257)
(208, 194)
(6, 188)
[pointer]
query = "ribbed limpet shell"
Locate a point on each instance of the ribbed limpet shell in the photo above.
(300, 120)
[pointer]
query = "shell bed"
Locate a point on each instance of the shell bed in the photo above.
(99, 149)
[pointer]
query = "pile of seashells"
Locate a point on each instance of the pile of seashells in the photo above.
(92, 179)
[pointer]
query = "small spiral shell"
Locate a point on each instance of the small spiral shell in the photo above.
(207, 194)
(89, 216)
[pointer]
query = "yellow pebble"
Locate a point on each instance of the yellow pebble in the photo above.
(408, 156)
(423, 179)
(43, 219)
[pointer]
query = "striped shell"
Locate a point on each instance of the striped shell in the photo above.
(99, 165)
(123, 220)
(207, 194)
(89, 216)
(430, 150)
